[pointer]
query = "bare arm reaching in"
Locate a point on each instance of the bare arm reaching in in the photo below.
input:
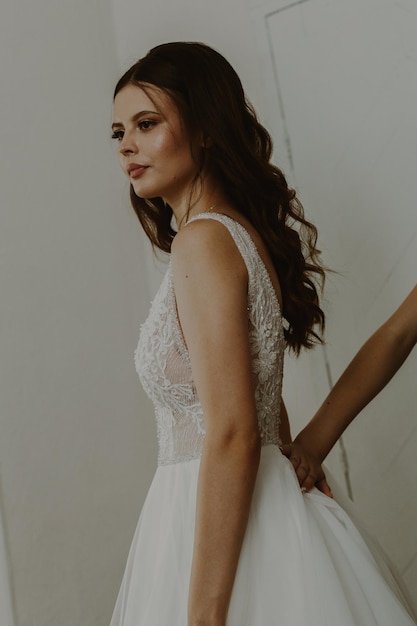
(367, 374)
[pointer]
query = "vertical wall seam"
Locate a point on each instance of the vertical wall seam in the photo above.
(287, 140)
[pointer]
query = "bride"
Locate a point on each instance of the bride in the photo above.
(226, 535)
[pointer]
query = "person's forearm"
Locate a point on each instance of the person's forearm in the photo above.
(225, 486)
(371, 369)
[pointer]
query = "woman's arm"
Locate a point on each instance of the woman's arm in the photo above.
(369, 371)
(210, 280)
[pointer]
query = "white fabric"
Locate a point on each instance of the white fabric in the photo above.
(303, 561)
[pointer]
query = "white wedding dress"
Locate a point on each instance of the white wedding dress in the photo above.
(303, 561)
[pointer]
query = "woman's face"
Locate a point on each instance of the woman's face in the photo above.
(153, 147)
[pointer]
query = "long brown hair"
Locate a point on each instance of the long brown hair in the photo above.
(211, 101)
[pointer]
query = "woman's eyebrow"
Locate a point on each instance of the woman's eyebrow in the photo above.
(134, 118)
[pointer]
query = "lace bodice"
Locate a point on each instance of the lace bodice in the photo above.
(163, 364)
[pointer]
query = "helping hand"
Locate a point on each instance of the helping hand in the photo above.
(307, 467)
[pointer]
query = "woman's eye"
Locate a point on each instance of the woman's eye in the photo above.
(146, 124)
(143, 125)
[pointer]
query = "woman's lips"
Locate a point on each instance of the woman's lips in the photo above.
(136, 172)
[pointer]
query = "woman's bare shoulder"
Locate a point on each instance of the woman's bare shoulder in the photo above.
(206, 241)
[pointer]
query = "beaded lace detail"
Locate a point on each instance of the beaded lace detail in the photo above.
(163, 364)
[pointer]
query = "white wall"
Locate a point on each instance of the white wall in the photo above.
(77, 437)
(227, 26)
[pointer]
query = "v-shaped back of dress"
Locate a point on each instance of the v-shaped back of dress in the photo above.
(164, 368)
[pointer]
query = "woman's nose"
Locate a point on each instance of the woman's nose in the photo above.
(128, 145)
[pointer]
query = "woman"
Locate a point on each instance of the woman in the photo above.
(226, 536)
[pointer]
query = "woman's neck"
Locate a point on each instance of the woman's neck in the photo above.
(207, 197)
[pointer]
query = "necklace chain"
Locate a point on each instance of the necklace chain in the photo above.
(211, 208)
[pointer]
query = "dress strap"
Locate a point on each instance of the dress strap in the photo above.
(254, 264)
(241, 237)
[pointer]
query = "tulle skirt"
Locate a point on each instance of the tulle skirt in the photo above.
(303, 561)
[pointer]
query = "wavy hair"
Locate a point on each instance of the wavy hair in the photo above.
(212, 103)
